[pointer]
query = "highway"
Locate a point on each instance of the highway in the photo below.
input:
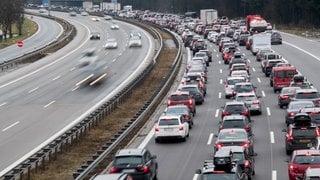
(40, 101)
(36, 41)
(179, 160)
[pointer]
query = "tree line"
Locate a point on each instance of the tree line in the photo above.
(11, 13)
(302, 13)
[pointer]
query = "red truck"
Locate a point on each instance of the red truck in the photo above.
(255, 23)
(281, 77)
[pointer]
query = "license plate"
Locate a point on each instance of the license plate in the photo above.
(128, 170)
(305, 140)
(168, 129)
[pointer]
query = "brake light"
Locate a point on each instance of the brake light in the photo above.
(169, 102)
(190, 101)
(219, 145)
(246, 144)
(226, 85)
(246, 164)
(144, 169)
(156, 128)
(289, 136)
(293, 168)
(186, 117)
(284, 97)
(291, 114)
(247, 128)
(181, 127)
(314, 112)
(318, 132)
(224, 113)
(245, 112)
(114, 170)
(256, 102)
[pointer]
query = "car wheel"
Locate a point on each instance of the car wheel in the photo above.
(184, 139)
(190, 125)
(253, 172)
(157, 140)
(281, 106)
(288, 152)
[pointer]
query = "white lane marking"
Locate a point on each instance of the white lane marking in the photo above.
(147, 139)
(106, 67)
(33, 90)
(259, 81)
(243, 54)
(217, 55)
(217, 113)
(263, 94)
(214, 50)
(221, 81)
(10, 126)
(114, 60)
(274, 175)
(50, 103)
(77, 87)
(271, 137)
(219, 62)
(254, 69)
(56, 78)
(219, 95)
(302, 50)
(106, 53)
(220, 71)
(46, 66)
(268, 111)
(72, 69)
(249, 61)
(3, 104)
(195, 177)
(210, 138)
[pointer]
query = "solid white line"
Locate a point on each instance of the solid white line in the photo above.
(10, 126)
(3, 104)
(274, 175)
(263, 94)
(147, 139)
(259, 81)
(302, 50)
(217, 113)
(210, 138)
(268, 111)
(33, 90)
(254, 69)
(56, 78)
(271, 137)
(220, 71)
(49, 104)
(219, 95)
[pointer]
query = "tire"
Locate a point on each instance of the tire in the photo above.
(288, 152)
(157, 140)
(184, 139)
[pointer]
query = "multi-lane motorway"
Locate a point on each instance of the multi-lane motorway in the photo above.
(179, 160)
(41, 100)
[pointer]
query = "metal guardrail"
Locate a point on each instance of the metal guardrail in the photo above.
(41, 52)
(60, 144)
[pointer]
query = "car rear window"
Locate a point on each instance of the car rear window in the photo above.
(243, 88)
(179, 97)
(178, 110)
(234, 81)
(301, 105)
(236, 107)
(284, 74)
(233, 135)
(237, 123)
(164, 122)
(246, 98)
(312, 95)
(307, 159)
(303, 132)
(125, 160)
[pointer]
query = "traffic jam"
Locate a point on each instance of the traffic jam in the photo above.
(226, 42)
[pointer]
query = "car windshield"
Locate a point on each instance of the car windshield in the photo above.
(246, 98)
(234, 81)
(301, 105)
(232, 135)
(190, 89)
(307, 159)
(304, 132)
(236, 107)
(125, 160)
(285, 74)
(288, 91)
(238, 156)
(168, 121)
(312, 95)
(175, 110)
(237, 123)
(179, 97)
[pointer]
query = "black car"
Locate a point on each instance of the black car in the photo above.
(243, 39)
(236, 121)
(138, 163)
(195, 92)
(301, 133)
(285, 95)
(276, 38)
(95, 35)
(314, 113)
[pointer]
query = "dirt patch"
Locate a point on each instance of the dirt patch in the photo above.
(78, 153)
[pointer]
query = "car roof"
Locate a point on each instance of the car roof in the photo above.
(234, 103)
(130, 151)
(301, 102)
(177, 106)
(234, 148)
(180, 93)
(306, 151)
(113, 176)
(246, 94)
(311, 90)
(235, 77)
(243, 83)
(310, 109)
(233, 130)
(232, 117)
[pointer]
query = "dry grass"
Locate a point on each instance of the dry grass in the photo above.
(68, 162)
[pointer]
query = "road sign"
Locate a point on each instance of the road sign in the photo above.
(19, 43)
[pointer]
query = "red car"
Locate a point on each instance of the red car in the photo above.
(301, 160)
(182, 97)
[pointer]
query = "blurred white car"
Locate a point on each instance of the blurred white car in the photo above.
(171, 127)
(84, 13)
(95, 19)
(135, 41)
(114, 26)
(106, 17)
(111, 43)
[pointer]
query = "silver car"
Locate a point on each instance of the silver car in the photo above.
(251, 100)
(111, 43)
(135, 41)
(229, 85)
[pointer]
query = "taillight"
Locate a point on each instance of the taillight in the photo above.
(256, 102)
(318, 132)
(246, 164)
(284, 97)
(186, 117)
(291, 114)
(219, 145)
(190, 101)
(156, 128)
(181, 127)
(246, 144)
(294, 168)
(114, 170)
(144, 169)
(289, 136)
(224, 113)
(245, 112)
(226, 85)
(169, 102)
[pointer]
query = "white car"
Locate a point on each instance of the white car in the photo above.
(114, 26)
(107, 17)
(84, 13)
(229, 85)
(135, 41)
(111, 43)
(95, 19)
(171, 127)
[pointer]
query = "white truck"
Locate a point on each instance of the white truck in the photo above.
(208, 16)
(260, 41)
